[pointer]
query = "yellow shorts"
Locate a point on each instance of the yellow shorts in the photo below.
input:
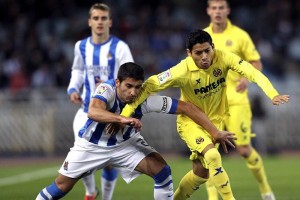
(239, 122)
(195, 137)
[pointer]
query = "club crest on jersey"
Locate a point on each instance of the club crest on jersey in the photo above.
(101, 89)
(199, 140)
(217, 72)
(66, 164)
(164, 76)
(109, 56)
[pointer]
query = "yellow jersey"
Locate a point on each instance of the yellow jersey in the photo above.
(206, 88)
(238, 41)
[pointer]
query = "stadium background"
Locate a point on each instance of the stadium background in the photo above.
(37, 39)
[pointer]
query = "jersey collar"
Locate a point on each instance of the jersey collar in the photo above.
(228, 26)
(191, 64)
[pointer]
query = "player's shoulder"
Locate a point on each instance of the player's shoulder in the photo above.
(207, 29)
(108, 86)
(238, 31)
(81, 41)
(117, 39)
(224, 55)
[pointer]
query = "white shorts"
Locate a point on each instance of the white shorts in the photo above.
(85, 158)
(79, 121)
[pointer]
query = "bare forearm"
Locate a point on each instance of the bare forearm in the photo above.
(104, 116)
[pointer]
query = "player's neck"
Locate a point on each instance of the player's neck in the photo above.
(99, 39)
(219, 27)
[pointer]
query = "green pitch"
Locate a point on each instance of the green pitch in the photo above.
(23, 182)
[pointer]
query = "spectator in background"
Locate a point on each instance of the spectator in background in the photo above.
(43, 77)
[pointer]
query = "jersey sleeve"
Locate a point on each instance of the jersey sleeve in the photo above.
(77, 74)
(247, 70)
(124, 53)
(160, 104)
(104, 92)
(172, 77)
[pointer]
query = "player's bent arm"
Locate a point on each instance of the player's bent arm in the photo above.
(97, 112)
(150, 86)
(198, 116)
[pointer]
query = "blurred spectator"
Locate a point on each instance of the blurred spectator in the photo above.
(43, 77)
(42, 32)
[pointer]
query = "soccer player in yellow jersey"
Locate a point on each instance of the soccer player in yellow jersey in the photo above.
(201, 77)
(227, 36)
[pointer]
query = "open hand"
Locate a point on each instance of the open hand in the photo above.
(280, 99)
(225, 138)
(75, 98)
(243, 85)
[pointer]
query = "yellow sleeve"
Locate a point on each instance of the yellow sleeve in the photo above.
(129, 108)
(156, 83)
(247, 70)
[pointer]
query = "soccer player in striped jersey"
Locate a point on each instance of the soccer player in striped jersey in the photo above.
(227, 36)
(127, 151)
(201, 77)
(97, 58)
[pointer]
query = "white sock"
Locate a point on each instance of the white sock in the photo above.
(108, 182)
(89, 184)
(163, 187)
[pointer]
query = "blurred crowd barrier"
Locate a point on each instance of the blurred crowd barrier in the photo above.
(41, 124)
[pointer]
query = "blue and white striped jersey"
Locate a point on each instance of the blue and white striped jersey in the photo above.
(93, 61)
(94, 132)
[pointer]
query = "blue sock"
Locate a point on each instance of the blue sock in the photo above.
(110, 174)
(163, 187)
(51, 192)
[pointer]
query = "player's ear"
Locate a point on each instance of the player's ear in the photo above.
(118, 82)
(213, 46)
(110, 23)
(188, 52)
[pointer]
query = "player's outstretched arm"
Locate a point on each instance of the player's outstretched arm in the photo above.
(198, 116)
(280, 99)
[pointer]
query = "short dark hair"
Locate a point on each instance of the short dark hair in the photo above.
(131, 70)
(197, 36)
(100, 6)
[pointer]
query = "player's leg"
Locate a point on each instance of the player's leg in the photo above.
(191, 181)
(58, 189)
(217, 173)
(91, 191)
(212, 192)
(108, 182)
(239, 122)
(90, 187)
(156, 167)
(198, 140)
(255, 165)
